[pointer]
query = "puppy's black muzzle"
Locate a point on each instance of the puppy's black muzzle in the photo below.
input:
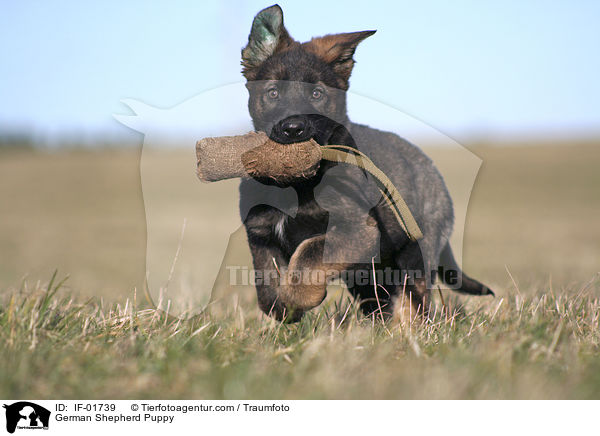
(297, 128)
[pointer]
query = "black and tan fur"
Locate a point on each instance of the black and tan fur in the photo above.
(297, 91)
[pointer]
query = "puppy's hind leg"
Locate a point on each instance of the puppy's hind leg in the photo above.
(411, 304)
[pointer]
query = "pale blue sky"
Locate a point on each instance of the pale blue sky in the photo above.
(486, 68)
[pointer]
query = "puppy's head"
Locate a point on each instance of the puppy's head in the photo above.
(297, 90)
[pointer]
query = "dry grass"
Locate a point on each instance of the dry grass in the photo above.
(540, 346)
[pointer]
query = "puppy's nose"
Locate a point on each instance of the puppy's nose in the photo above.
(293, 128)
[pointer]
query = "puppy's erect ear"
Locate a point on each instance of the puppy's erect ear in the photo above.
(337, 50)
(267, 36)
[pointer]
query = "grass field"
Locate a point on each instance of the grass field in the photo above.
(532, 233)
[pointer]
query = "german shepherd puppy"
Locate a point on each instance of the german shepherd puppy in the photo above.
(297, 92)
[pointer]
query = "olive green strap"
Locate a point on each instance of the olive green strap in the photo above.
(344, 154)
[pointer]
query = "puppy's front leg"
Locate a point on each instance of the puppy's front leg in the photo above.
(306, 276)
(269, 262)
(308, 272)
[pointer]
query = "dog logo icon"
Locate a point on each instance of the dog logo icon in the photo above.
(26, 415)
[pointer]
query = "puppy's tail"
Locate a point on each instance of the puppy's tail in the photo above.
(467, 284)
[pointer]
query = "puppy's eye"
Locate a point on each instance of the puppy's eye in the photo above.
(273, 93)
(317, 93)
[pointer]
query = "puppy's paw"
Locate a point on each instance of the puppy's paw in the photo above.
(303, 295)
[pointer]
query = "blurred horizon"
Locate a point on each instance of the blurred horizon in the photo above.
(477, 72)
